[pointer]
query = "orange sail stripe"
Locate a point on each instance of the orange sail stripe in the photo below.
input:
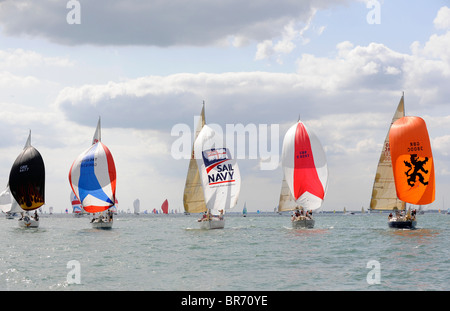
(412, 161)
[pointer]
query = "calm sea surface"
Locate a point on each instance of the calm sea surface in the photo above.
(255, 253)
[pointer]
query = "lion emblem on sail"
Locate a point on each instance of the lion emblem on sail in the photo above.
(416, 166)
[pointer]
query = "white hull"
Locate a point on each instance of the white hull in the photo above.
(28, 222)
(303, 223)
(212, 224)
(100, 224)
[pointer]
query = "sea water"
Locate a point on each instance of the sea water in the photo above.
(253, 253)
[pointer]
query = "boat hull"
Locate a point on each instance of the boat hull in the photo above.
(402, 224)
(303, 223)
(212, 224)
(28, 222)
(99, 224)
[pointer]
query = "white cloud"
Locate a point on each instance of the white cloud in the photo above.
(286, 44)
(442, 144)
(19, 58)
(357, 67)
(9, 80)
(442, 20)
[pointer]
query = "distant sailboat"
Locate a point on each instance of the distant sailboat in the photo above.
(77, 208)
(136, 206)
(8, 204)
(27, 183)
(406, 149)
(244, 210)
(165, 207)
(213, 179)
(305, 178)
(93, 180)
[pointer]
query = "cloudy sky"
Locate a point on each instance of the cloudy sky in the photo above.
(146, 67)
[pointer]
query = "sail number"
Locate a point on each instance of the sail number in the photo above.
(23, 168)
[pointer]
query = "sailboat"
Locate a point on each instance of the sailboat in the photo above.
(27, 183)
(305, 178)
(213, 180)
(136, 206)
(77, 208)
(165, 207)
(8, 204)
(92, 177)
(244, 210)
(406, 146)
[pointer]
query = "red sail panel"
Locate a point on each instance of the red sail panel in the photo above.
(165, 207)
(306, 178)
(412, 161)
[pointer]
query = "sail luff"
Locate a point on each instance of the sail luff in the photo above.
(384, 196)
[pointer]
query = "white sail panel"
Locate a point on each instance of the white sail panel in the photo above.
(219, 172)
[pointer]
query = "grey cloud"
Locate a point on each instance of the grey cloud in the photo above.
(154, 23)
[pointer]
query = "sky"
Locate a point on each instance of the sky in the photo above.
(146, 67)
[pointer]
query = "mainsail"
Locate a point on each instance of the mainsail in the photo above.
(93, 176)
(305, 169)
(219, 172)
(193, 199)
(384, 196)
(412, 161)
(27, 178)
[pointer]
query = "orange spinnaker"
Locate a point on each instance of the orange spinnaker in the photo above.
(412, 161)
